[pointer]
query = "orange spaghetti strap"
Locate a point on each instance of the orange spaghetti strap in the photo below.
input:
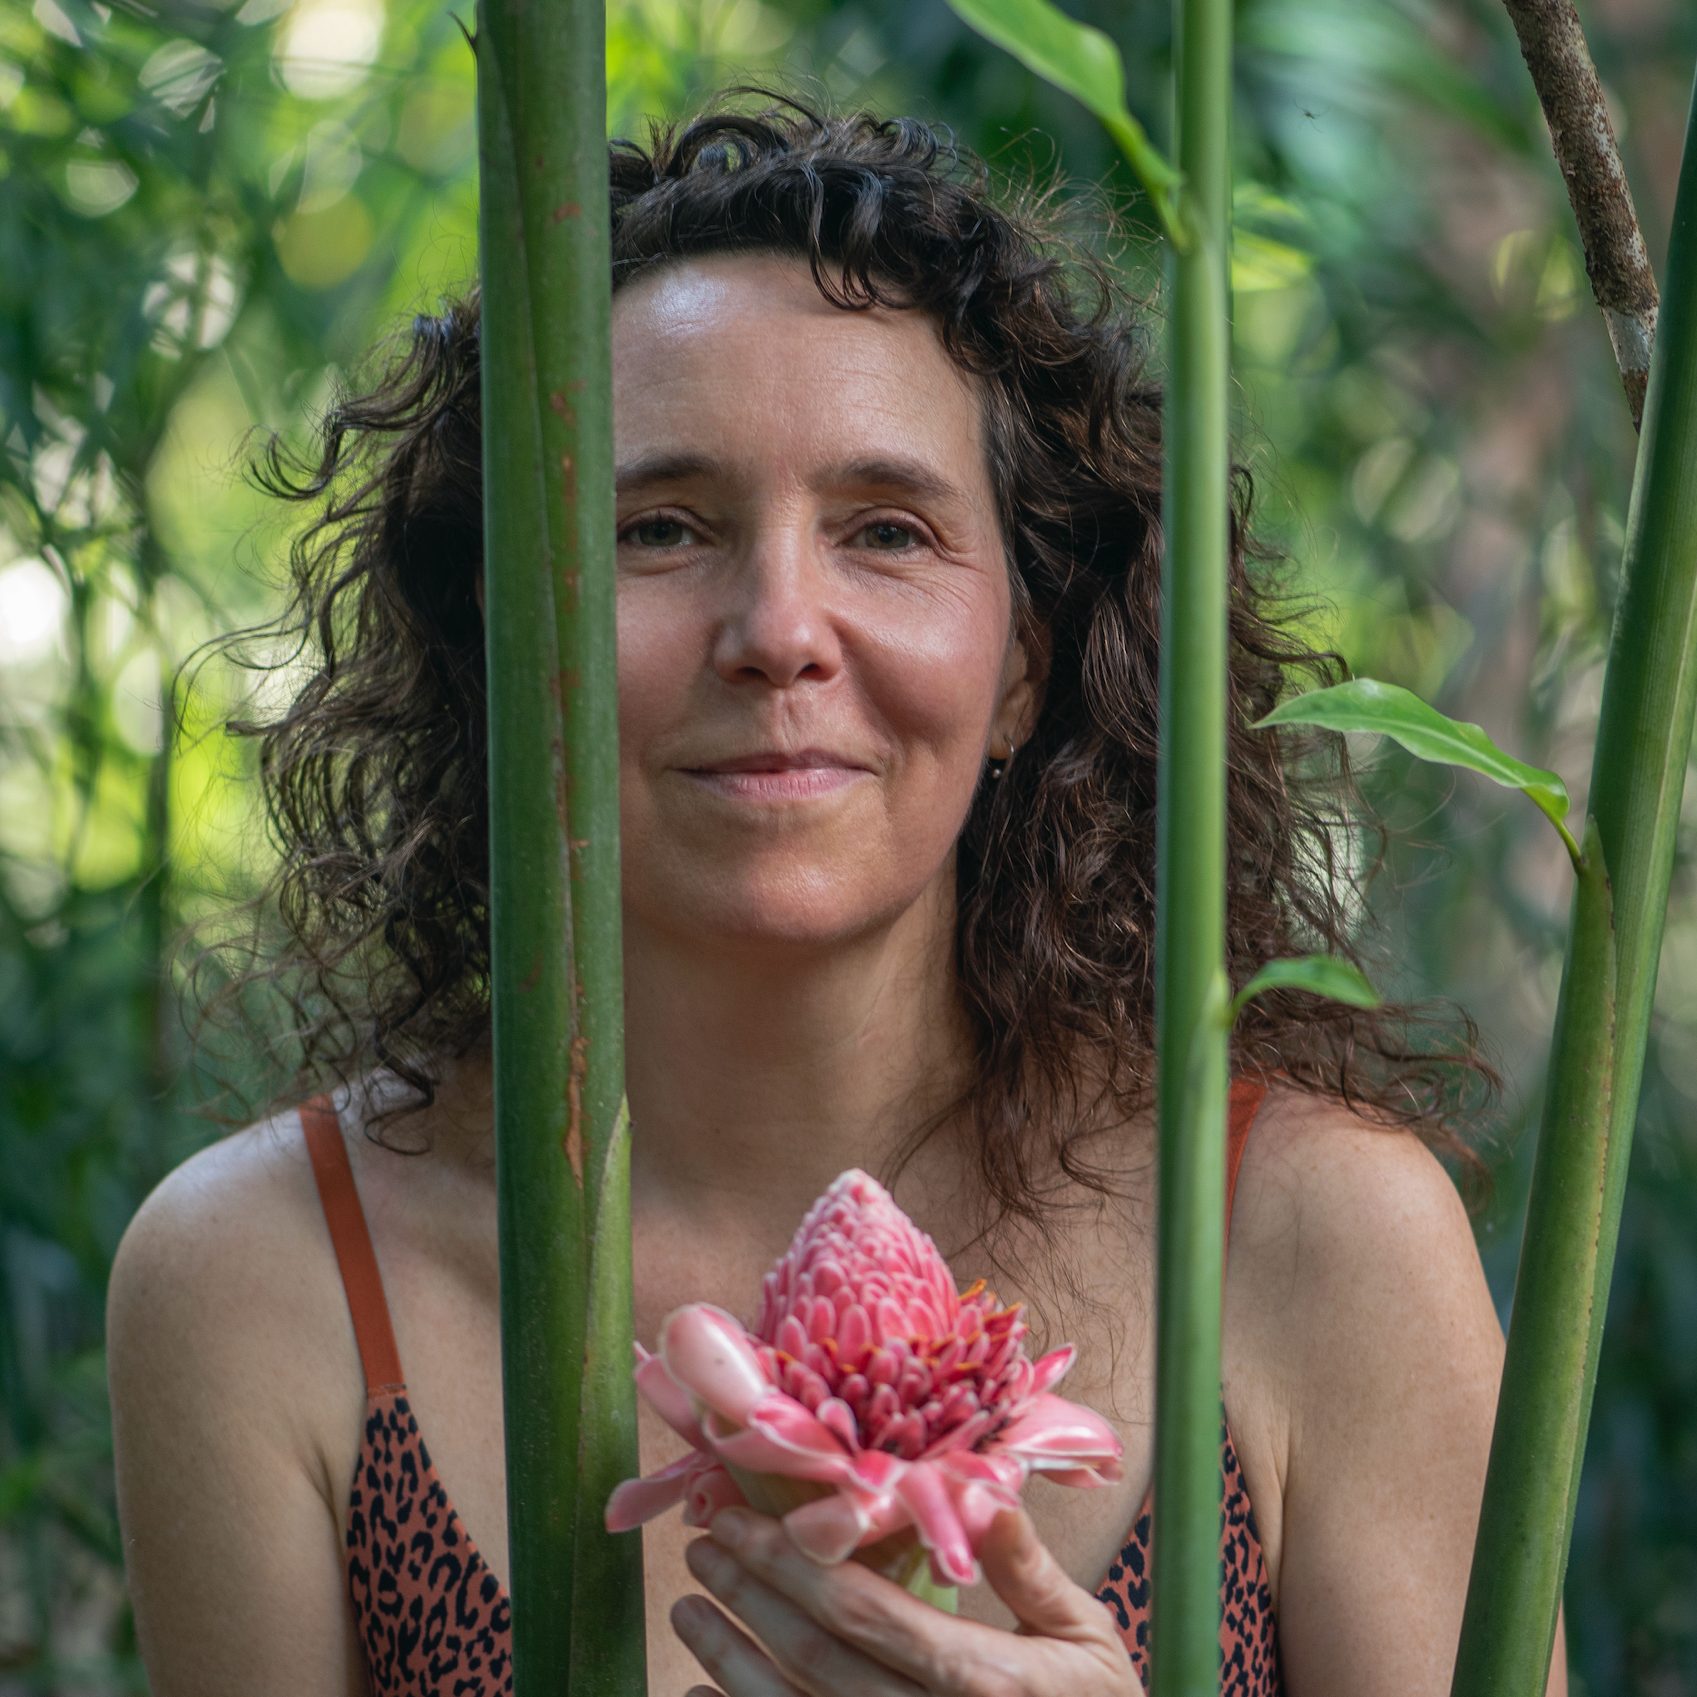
(352, 1243)
(1247, 1094)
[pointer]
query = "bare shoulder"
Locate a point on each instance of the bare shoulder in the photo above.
(224, 1368)
(228, 1207)
(228, 1261)
(1327, 1197)
(241, 1167)
(1375, 1352)
(1360, 1258)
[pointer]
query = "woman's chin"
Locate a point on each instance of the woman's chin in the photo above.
(786, 914)
(779, 925)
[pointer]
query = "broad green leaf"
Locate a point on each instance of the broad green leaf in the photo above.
(1320, 975)
(1364, 704)
(1083, 62)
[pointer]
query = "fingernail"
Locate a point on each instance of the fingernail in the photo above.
(730, 1528)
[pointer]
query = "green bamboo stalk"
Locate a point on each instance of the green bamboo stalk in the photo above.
(1510, 1622)
(1191, 987)
(561, 1132)
(1638, 777)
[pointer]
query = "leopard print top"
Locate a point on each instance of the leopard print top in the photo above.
(1249, 1643)
(433, 1618)
(435, 1621)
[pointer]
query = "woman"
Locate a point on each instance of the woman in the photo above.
(888, 486)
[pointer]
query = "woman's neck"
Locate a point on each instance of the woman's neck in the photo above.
(755, 1079)
(755, 1076)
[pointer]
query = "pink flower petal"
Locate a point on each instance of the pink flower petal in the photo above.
(668, 1398)
(876, 1472)
(925, 1493)
(1085, 1476)
(905, 1435)
(924, 1319)
(1053, 1367)
(832, 1528)
(837, 1417)
(707, 1352)
(978, 1505)
(639, 1500)
(881, 1406)
(966, 1435)
(1054, 1433)
(1016, 1381)
(855, 1335)
(992, 1467)
(854, 1390)
(981, 1486)
(782, 1438)
(712, 1490)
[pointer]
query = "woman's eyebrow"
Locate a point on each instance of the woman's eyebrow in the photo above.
(648, 469)
(882, 471)
(896, 472)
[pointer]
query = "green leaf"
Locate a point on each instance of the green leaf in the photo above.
(1085, 63)
(1364, 704)
(1319, 975)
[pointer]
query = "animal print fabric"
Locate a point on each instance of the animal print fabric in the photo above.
(1249, 1649)
(432, 1616)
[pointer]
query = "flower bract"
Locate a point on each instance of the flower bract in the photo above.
(870, 1399)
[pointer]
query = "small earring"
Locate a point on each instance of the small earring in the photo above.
(999, 765)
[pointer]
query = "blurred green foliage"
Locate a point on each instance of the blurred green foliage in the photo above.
(209, 213)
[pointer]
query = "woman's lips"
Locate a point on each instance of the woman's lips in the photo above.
(795, 783)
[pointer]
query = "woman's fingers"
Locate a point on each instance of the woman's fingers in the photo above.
(804, 1650)
(1022, 1570)
(883, 1627)
(730, 1656)
(843, 1630)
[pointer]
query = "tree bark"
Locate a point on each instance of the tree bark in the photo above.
(1554, 47)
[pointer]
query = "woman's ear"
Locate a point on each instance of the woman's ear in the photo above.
(1024, 676)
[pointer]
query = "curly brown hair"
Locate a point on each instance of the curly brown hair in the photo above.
(374, 775)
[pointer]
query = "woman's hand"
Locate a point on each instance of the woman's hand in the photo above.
(845, 1631)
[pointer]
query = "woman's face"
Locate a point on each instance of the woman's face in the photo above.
(808, 559)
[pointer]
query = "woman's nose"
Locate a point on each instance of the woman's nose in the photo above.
(776, 622)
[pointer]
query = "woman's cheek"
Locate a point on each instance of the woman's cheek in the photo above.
(652, 663)
(941, 679)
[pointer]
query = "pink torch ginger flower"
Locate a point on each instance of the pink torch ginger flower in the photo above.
(871, 1402)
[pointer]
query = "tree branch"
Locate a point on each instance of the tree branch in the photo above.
(1553, 45)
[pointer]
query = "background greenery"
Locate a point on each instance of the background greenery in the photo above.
(208, 215)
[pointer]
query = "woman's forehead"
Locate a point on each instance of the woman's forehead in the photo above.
(741, 342)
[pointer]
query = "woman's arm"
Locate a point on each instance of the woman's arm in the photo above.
(1392, 1355)
(232, 1551)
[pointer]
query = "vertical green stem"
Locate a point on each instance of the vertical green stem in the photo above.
(1191, 869)
(561, 1134)
(1638, 778)
(1510, 1620)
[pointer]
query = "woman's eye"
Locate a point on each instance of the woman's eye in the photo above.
(657, 532)
(891, 535)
